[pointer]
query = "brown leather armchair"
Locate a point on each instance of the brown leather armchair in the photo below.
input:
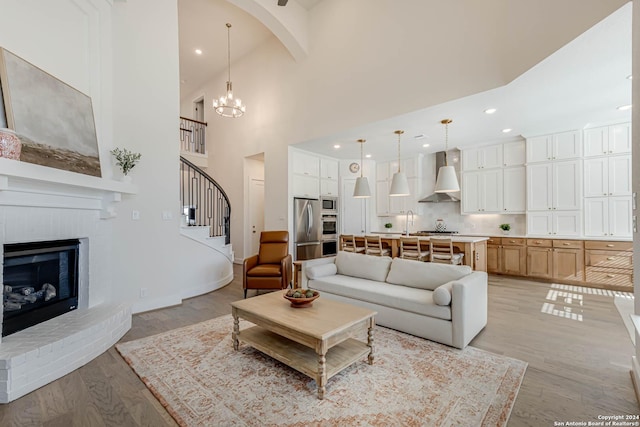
(271, 268)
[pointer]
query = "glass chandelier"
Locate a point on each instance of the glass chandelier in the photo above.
(226, 105)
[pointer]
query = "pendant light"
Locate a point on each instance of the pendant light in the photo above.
(447, 181)
(226, 105)
(399, 183)
(361, 191)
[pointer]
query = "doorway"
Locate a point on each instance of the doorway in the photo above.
(198, 109)
(254, 203)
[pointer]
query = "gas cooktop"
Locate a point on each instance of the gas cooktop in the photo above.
(437, 232)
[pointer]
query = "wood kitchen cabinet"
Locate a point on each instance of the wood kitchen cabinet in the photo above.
(568, 260)
(609, 264)
(506, 256)
(555, 259)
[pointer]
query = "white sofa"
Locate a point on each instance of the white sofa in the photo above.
(440, 302)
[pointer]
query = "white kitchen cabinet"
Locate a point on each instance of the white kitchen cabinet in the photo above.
(402, 204)
(615, 139)
(620, 175)
(482, 158)
(329, 169)
(608, 216)
(607, 176)
(539, 187)
(554, 186)
(305, 164)
(306, 186)
(382, 171)
(567, 183)
(382, 198)
(620, 217)
(514, 189)
(329, 187)
(514, 154)
(482, 192)
(558, 223)
(559, 146)
(620, 138)
(567, 145)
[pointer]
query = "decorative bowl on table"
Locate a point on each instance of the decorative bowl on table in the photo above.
(301, 298)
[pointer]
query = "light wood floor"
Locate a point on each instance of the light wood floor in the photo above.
(577, 370)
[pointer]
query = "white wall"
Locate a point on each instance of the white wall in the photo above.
(125, 56)
(400, 57)
(146, 110)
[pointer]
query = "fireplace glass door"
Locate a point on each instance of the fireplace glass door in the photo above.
(40, 281)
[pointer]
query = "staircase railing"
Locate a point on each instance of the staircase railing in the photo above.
(192, 136)
(204, 201)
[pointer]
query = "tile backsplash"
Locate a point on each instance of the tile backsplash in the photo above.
(450, 213)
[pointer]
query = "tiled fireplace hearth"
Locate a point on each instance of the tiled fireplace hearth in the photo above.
(41, 205)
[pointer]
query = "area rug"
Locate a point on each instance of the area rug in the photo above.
(201, 381)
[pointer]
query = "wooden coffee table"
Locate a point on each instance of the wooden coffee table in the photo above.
(318, 341)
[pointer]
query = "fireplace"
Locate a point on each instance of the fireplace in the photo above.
(40, 282)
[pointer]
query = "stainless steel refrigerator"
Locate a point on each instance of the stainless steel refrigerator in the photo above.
(308, 228)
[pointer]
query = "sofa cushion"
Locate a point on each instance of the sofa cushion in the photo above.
(403, 298)
(424, 275)
(317, 271)
(265, 270)
(442, 294)
(363, 266)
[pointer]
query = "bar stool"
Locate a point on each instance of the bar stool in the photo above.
(410, 249)
(373, 246)
(441, 249)
(348, 244)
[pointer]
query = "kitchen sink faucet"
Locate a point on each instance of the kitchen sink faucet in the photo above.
(406, 231)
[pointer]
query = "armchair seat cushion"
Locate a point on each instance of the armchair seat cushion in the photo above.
(265, 270)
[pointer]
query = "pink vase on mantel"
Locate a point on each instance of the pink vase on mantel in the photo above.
(10, 145)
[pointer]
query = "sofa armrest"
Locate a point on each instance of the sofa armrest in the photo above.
(311, 263)
(469, 301)
(286, 265)
(247, 265)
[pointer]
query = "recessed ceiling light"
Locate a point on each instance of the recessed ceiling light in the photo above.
(624, 107)
(507, 130)
(490, 110)
(425, 145)
(368, 156)
(336, 146)
(629, 77)
(198, 52)
(421, 136)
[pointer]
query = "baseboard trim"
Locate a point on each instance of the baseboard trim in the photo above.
(208, 287)
(142, 306)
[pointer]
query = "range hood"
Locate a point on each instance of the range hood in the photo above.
(439, 197)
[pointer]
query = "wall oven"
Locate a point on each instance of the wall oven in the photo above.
(329, 226)
(329, 247)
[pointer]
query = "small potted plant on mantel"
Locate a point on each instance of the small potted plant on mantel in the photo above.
(126, 160)
(506, 228)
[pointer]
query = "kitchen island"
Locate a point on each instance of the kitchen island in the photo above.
(474, 248)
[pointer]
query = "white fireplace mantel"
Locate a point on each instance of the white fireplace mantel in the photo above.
(31, 185)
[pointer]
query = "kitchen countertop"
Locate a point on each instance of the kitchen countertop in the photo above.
(454, 238)
(524, 236)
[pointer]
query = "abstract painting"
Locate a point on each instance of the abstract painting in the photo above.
(53, 120)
